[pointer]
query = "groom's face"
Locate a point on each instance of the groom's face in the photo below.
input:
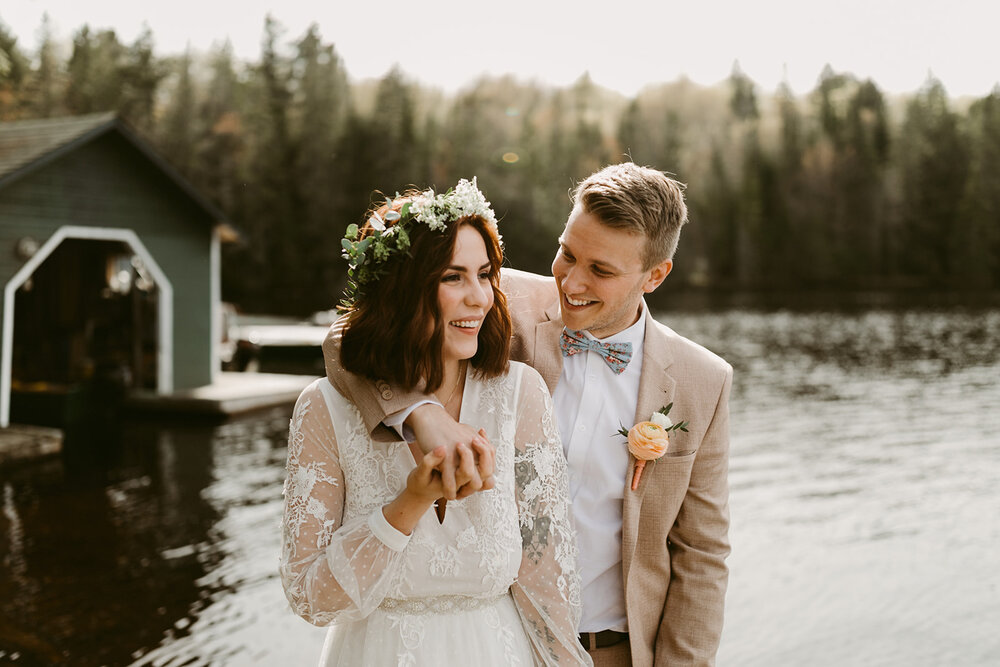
(599, 273)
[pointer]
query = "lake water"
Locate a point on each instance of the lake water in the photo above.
(865, 508)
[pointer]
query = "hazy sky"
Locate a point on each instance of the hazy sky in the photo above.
(623, 44)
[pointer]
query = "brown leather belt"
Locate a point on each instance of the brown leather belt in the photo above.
(592, 640)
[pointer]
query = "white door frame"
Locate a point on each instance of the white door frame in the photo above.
(215, 289)
(165, 305)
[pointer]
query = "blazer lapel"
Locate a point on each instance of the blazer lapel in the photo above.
(547, 356)
(656, 389)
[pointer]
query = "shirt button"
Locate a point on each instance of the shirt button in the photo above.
(386, 395)
(582, 427)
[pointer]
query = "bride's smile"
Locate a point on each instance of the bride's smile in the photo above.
(465, 295)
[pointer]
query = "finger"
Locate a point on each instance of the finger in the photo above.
(483, 438)
(467, 464)
(461, 474)
(488, 468)
(447, 469)
(430, 460)
(433, 458)
(484, 463)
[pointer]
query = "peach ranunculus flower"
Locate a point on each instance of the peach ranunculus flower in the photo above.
(647, 441)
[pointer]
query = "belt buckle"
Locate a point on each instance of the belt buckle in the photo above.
(602, 639)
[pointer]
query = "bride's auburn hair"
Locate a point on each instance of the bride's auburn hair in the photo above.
(394, 331)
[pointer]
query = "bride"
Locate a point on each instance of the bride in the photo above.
(494, 580)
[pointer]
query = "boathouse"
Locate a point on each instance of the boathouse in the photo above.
(109, 262)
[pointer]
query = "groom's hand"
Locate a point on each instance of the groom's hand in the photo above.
(433, 427)
(476, 463)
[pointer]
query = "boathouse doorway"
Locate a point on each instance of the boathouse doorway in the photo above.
(91, 310)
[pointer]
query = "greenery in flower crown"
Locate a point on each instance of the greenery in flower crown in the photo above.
(367, 254)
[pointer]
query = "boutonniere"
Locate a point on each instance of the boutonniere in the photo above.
(647, 441)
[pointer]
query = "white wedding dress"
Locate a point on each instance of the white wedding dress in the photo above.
(495, 584)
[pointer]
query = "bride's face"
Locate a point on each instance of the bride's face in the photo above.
(465, 295)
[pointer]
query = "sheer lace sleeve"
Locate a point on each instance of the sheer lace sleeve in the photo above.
(331, 570)
(547, 590)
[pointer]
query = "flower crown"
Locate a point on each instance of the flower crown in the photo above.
(367, 257)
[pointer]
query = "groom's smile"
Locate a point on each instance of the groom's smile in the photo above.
(599, 273)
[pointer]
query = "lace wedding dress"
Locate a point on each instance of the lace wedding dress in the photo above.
(495, 584)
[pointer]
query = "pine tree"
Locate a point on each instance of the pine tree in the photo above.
(320, 104)
(179, 128)
(863, 248)
(934, 167)
(14, 72)
(275, 216)
(96, 76)
(46, 82)
(977, 245)
(140, 73)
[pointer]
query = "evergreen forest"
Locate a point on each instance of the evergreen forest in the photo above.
(843, 188)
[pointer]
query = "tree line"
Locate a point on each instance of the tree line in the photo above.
(843, 188)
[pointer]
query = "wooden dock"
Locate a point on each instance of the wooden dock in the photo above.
(22, 442)
(233, 393)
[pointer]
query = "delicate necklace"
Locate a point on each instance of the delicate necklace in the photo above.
(440, 507)
(458, 381)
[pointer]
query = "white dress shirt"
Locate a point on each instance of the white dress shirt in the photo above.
(591, 404)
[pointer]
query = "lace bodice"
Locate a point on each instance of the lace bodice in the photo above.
(342, 561)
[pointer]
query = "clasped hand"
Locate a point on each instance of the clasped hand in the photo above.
(467, 468)
(463, 458)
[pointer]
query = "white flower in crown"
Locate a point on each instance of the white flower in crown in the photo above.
(366, 257)
(466, 199)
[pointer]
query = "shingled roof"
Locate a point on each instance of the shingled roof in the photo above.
(26, 145)
(24, 142)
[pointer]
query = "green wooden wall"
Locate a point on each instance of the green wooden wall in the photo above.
(109, 183)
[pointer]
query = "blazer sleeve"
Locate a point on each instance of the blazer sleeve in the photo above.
(691, 625)
(375, 400)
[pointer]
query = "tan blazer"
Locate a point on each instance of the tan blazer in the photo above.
(675, 525)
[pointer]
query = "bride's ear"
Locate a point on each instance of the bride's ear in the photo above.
(657, 275)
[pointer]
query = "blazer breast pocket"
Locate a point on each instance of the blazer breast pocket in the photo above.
(683, 444)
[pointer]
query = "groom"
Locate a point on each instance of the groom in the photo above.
(652, 560)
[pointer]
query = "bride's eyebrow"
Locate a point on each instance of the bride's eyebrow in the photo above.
(463, 270)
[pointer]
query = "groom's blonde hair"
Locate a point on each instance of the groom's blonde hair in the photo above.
(637, 199)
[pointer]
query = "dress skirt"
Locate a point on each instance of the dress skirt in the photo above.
(433, 632)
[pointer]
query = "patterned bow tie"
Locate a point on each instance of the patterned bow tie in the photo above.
(615, 355)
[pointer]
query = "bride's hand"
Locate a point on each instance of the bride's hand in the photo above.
(423, 487)
(424, 481)
(433, 427)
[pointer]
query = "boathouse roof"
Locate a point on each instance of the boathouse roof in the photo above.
(27, 145)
